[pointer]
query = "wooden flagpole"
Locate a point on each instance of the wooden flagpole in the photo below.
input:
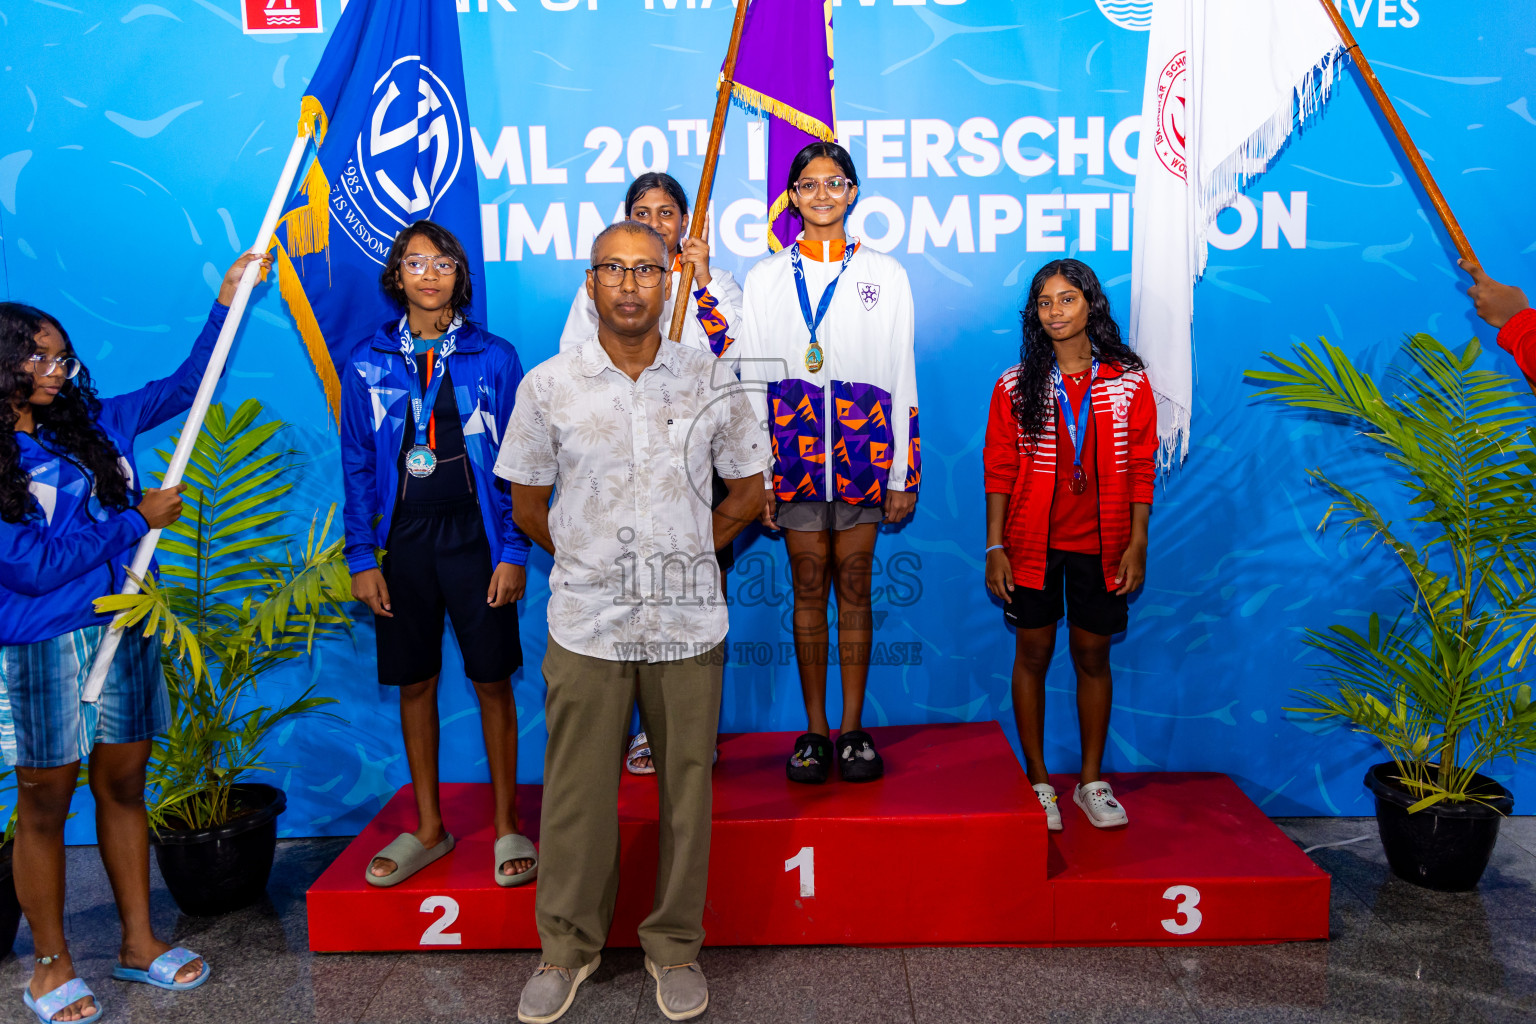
(1390, 113)
(193, 426)
(680, 303)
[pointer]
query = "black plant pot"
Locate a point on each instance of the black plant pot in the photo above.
(10, 906)
(215, 870)
(1445, 846)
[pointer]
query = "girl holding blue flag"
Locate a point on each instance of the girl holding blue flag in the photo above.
(71, 512)
(424, 402)
(827, 329)
(1069, 457)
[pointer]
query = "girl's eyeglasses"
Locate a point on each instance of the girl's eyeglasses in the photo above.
(44, 366)
(417, 265)
(836, 186)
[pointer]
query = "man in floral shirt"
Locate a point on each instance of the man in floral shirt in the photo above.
(625, 429)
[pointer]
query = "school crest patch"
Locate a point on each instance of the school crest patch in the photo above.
(869, 294)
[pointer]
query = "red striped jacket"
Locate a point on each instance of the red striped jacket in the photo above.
(1123, 411)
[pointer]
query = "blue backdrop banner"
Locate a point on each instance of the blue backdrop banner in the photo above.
(139, 143)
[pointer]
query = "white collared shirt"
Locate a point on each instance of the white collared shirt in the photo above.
(635, 576)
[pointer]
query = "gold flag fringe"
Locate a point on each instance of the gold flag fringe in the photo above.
(779, 206)
(754, 102)
(292, 290)
(313, 116)
(309, 226)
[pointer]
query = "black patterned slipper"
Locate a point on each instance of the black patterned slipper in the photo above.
(811, 760)
(856, 757)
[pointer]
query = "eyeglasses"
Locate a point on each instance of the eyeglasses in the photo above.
(44, 366)
(417, 264)
(837, 186)
(647, 275)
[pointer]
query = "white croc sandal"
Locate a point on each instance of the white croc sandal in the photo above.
(1100, 805)
(1047, 794)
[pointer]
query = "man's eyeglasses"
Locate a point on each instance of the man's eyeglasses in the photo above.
(647, 275)
(44, 366)
(417, 265)
(837, 186)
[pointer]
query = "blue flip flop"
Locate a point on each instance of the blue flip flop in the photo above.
(162, 971)
(55, 1002)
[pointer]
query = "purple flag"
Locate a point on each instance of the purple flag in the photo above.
(784, 70)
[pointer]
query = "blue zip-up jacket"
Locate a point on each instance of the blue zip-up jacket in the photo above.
(54, 566)
(375, 397)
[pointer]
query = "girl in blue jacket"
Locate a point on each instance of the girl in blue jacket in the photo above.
(71, 512)
(424, 402)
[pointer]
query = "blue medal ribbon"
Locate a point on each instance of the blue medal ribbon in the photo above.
(812, 324)
(423, 404)
(1080, 418)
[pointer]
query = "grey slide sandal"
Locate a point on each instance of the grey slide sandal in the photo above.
(409, 857)
(515, 847)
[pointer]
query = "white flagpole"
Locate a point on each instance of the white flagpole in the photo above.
(194, 424)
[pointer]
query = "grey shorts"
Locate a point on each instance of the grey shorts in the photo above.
(818, 516)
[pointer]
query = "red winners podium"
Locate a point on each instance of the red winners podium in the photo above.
(950, 848)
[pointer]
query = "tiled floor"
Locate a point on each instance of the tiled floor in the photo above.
(1396, 954)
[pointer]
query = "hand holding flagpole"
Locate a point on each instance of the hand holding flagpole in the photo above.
(680, 301)
(194, 424)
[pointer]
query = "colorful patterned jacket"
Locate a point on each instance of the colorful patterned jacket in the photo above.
(1123, 411)
(375, 396)
(868, 371)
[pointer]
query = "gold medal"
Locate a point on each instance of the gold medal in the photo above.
(813, 357)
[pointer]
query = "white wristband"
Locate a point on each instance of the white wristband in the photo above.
(994, 547)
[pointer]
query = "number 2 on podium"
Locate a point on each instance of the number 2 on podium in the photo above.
(1186, 898)
(805, 860)
(437, 933)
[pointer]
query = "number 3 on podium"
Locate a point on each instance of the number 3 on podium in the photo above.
(1186, 898)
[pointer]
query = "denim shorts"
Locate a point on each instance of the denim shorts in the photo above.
(42, 723)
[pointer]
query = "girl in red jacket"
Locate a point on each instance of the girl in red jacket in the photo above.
(1071, 439)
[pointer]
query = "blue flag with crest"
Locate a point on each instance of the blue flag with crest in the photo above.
(387, 108)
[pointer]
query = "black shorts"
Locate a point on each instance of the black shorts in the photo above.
(438, 561)
(1089, 604)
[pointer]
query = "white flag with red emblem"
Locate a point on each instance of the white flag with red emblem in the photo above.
(1227, 82)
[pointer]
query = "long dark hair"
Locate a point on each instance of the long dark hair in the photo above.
(448, 245)
(655, 179)
(832, 151)
(68, 423)
(1033, 395)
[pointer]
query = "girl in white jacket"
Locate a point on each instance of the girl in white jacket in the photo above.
(827, 337)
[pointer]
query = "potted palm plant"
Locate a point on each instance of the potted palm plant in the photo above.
(234, 601)
(1435, 685)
